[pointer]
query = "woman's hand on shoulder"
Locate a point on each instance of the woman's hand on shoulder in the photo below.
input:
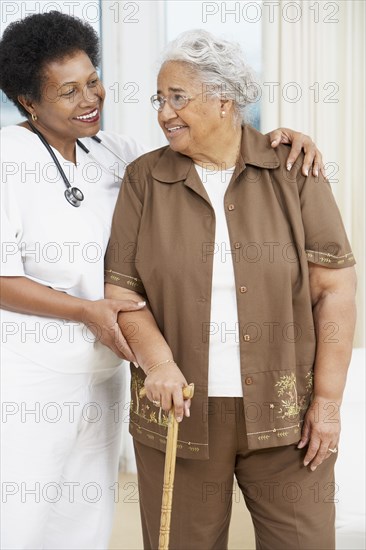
(164, 387)
(101, 316)
(313, 157)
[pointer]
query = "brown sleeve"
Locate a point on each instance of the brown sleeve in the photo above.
(120, 261)
(326, 241)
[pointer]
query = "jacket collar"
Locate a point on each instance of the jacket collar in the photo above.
(255, 150)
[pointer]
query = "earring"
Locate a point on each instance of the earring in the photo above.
(223, 114)
(34, 117)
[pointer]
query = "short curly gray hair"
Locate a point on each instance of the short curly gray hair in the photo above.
(219, 64)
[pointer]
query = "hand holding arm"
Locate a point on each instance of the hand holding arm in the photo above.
(333, 297)
(26, 296)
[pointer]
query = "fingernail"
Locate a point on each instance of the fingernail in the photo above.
(179, 419)
(136, 364)
(316, 173)
(313, 468)
(141, 303)
(289, 166)
(306, 463)
(188, 413)
(273, 142)
(306, 172)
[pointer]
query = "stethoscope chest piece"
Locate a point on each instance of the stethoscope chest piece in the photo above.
(74, 196)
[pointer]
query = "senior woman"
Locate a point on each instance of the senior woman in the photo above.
(61, 387)
(248, 276)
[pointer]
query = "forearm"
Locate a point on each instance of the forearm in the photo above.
(144, 338)
(26, 296)
(334, 316)
(141, 331)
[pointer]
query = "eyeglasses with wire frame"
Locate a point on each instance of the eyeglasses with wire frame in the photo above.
(176, 101)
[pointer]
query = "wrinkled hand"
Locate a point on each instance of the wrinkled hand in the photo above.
(164, 385)
(100, 317)
(322, 426)
(313, 157)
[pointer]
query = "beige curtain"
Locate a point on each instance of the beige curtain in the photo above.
(314, 81)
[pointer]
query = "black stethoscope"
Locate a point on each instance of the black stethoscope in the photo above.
(73, 194)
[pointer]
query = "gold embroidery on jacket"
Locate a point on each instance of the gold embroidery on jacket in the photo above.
(327, 258)
(292, 404)
(263, 434)
(141, 407)
(140, 430)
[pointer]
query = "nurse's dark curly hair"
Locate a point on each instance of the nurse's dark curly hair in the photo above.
(29, 44)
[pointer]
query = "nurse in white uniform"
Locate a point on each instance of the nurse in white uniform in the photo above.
(61, 386)
(61, 345)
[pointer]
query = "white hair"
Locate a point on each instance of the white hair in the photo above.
(219, 64)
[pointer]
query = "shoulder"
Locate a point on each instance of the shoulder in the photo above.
(18, 145)
(151, 158)
(283, 151)
(125, 146)
(15, 135)
(139, 174)
(145, 163)
(285, 178)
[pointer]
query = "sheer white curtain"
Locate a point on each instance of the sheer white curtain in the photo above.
(314, 81)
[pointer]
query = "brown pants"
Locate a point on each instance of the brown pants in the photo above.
(292, 508)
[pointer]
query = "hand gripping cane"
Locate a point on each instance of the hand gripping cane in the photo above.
(169, 471)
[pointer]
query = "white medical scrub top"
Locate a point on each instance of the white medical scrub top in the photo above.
(48, 240)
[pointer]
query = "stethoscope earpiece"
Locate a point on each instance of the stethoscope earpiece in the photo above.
(74, 196)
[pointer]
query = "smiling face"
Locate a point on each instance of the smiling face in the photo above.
(72, 99)
(195, 130)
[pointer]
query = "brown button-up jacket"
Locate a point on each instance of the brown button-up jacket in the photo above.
(162, 246)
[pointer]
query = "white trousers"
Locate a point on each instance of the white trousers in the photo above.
(60, 442)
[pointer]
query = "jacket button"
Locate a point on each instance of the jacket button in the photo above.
(237, 245)
(243, 289)
(247, 337)
(231, 207)
(249, 380)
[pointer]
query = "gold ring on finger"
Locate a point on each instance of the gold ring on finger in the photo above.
(335, 450)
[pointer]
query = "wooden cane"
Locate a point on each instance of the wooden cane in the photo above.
(169, 471)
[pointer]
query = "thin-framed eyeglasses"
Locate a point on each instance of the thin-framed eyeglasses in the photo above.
(176, 101)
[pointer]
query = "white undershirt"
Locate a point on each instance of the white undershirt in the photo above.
(224, 379)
